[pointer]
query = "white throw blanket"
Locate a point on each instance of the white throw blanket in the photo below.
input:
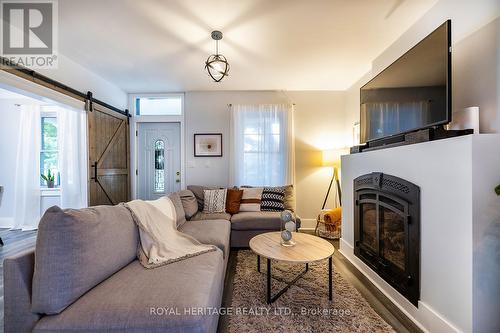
(161, 243)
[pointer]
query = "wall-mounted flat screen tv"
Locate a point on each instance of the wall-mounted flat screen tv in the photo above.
(412, 93)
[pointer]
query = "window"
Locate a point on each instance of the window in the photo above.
(170, 105)
(262, 144)
(49, 148)
(159, 186)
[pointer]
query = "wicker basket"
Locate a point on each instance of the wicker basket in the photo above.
(329, 223)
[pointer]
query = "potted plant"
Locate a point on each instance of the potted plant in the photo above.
(49, 179)
(497, 190)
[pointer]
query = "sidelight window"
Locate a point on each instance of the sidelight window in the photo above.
(159, 185)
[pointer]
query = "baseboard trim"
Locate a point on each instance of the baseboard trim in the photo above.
(424, 318)
(307, 224)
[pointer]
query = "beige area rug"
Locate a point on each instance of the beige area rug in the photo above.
(304, 307)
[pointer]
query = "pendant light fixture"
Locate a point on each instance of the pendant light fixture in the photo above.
(216, 65)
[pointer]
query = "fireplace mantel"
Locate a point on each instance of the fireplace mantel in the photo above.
(457, 178)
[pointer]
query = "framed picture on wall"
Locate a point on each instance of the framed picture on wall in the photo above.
(208, 145)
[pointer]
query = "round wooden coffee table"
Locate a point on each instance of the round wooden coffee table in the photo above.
(308, 249)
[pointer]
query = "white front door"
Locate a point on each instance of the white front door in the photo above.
(159, 160)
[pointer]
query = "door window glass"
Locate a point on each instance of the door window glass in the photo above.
(159, 185)
(159, 106)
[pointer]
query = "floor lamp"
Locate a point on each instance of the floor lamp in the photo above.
(331, 158)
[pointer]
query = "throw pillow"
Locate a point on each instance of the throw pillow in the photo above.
(189, 203)
(273, 199)
(198, 193)
(233, 201)
(214, 201)
(250, 201)
(289, 201)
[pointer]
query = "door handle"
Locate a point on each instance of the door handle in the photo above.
(95, 171)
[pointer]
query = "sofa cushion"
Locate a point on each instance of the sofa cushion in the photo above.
(180, 215)
(201, 216)
(198, 193)
(251, 199)
(272, 199)
(189, 203)
(233, 200)
(258, 221)
(214, 201)
(289, 201)
(137, 299)
(76, 249)
(214, 232)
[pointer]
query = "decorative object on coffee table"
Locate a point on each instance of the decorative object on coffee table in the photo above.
(208, 145)
(308, 249)
(288, 226)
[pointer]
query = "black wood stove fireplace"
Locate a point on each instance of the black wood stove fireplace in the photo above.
(387, 230)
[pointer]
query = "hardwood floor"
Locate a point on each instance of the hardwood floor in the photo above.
(15, 241)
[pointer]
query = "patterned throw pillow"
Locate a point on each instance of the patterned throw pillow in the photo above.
(214, 201)
(251, 199)
(273, 199)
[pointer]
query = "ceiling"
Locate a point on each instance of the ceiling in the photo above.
(161, 45)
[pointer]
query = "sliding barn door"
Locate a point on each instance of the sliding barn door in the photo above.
(108, 137)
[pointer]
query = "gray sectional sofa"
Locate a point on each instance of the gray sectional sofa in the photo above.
(244, 225)
(83, 275)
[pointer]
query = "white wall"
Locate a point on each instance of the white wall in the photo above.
(319, 125)
(459, 228)
(443, 171)
(9, 137)
(476, 75)
(82, 79)
(207, 112)
(486, 234)
(475, 57)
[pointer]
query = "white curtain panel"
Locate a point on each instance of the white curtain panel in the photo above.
(262, 145)
(27, 172)
(73, 157)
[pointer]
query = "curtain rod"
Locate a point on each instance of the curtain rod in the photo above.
(37, 76)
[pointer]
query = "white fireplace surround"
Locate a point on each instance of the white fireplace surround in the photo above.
(457, 178)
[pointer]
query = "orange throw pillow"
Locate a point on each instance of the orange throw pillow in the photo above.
(233, 200)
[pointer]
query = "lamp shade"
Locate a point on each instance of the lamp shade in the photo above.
(331, 158)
